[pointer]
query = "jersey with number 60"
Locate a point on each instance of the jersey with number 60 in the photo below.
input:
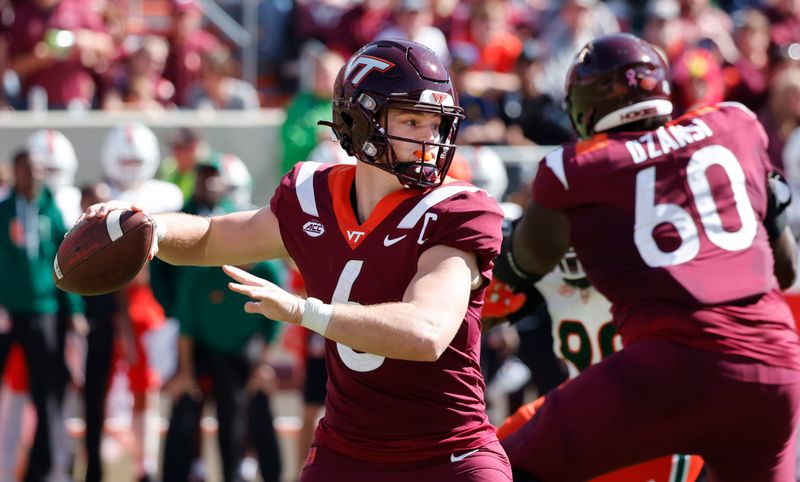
(668, 226)
(380, 409)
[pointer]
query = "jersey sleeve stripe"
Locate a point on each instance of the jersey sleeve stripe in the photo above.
(432, 199)
(739, 106)
(555, 161)
(304, 186)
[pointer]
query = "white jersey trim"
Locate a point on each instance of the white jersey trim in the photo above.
(412, 218)
(739, 106)
(555, 161)
(304, 186)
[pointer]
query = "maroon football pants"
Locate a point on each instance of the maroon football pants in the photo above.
(486, 464)
(656, 398)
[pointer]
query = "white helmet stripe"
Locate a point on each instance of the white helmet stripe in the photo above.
(633, 113)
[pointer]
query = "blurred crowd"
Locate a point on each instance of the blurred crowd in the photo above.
(509, 57)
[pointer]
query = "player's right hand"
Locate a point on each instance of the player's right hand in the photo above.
(100, 210)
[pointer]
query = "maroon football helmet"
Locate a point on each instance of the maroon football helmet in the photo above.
(615, 80)
(396, 74)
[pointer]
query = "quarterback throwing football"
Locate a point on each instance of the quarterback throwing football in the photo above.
(395, 256)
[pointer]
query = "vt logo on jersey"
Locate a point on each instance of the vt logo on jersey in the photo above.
(354, 236)
(363, 65)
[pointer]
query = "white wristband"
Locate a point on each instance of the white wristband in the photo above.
(316, 315)
(161, 229)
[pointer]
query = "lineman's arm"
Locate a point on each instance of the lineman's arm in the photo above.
(418, 329)
(784, 249)
(534, 248)
(781, 240)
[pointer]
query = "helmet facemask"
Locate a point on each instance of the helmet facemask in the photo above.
(384, 77)
(365, 129)
(571, 270)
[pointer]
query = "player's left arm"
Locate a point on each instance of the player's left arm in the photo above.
(421, 327)
(784, 249)
(418, 328)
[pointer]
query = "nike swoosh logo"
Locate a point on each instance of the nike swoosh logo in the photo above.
(389, 241)
(459, 458)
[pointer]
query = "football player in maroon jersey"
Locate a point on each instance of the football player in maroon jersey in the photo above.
(396, 257)
(680, 224)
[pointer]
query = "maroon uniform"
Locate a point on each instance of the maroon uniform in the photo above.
(382, 410)
(668, 226)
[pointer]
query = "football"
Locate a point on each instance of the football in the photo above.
(99, 256)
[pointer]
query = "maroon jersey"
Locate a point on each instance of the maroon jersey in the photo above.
(380, 409)
(668, 225)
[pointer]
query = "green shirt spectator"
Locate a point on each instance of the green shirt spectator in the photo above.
(30, 234)
(214, 316)
(179, 168)
(300, 133)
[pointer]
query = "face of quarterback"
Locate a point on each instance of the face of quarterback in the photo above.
(419, 126)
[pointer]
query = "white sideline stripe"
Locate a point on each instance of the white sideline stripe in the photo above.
(113, 226)
(432, 199)
(304, 186)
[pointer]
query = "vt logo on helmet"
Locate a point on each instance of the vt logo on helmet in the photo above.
(367, 64)
(397, 76)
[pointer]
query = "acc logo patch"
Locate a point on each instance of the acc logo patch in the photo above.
(314, 229)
